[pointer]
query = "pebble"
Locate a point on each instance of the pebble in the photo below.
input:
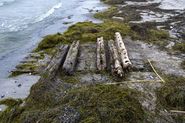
(2, 96)
(19, 85)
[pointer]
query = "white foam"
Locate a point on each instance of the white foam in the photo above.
(50, 12)
(172, 4)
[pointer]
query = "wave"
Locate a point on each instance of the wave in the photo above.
(50, 12)
(6, 2)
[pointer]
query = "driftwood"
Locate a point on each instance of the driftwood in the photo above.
(71, 59)
(100, 55)
(177, 111)
(122, 51)
(57, 61)
(116, 67)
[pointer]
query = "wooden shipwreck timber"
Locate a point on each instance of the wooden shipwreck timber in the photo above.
(111, 54)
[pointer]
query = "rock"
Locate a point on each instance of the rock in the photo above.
(19, 85)
(2, 96)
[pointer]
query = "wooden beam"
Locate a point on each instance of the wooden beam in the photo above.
(57, 61)
(71, 59)
(116, 67)
(122, 51)
(100, 55)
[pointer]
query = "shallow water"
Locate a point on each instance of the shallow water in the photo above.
(23, 23)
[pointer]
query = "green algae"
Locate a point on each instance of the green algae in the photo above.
(24, 68)
(74, 79)
(180, 47)
(11, 102)
(49, 41)
(172, 95)
(113, 2)
(102, 103)
(94, 103)
(107, 14)
(85, 32)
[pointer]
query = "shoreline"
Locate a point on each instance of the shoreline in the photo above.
(29, 77)
(65, 92)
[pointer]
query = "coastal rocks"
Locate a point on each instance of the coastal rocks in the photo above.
(2, 96)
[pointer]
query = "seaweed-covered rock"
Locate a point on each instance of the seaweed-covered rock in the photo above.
(105, 103)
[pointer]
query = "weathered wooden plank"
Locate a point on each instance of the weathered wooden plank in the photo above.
(57, 61)
(101, 56)
(122, 51)
(115, 64)
(71, 59)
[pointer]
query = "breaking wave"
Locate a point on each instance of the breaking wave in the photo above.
(48, 13)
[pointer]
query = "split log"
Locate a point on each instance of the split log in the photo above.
(122, 51)
(71, 59)
(100, 55)
(57, 61)
(116, 67)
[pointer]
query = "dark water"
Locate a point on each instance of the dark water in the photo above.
(24, 22)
